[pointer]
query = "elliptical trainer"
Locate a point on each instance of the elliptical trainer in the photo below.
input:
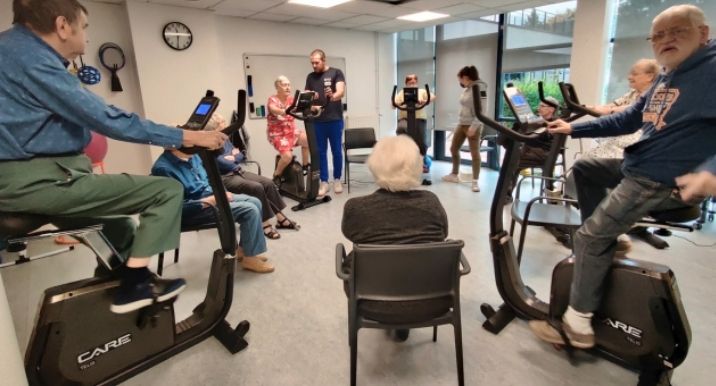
(294, 183)
(77, 340)
(641, 323)
(411, 104)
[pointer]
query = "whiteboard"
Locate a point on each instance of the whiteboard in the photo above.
(261, 71)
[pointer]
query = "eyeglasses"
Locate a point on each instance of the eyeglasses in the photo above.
(677, 32)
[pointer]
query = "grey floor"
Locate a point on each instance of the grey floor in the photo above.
(298, 313)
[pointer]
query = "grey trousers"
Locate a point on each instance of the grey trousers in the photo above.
(595, 241)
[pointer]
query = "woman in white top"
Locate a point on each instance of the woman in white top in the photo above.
(468, 127)
(641, 77)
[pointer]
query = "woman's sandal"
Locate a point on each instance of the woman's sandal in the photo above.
(271, 233)
(286, 223)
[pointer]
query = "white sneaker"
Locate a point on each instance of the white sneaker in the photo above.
(475, 186)
(451, 178)
(323, 189)
(337, 187)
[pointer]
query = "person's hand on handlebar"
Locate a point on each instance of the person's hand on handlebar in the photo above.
(559, 127)
(206, 139)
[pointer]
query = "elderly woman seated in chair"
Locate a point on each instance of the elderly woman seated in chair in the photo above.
(240, 181)
(396, 213)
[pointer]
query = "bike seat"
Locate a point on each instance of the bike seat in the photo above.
(678, 215)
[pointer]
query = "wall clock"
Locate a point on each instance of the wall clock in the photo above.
(178, 36)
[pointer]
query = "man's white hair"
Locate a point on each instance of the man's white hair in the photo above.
(690, 11)
(396, 164)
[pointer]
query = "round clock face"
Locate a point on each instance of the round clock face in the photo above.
(177, 36)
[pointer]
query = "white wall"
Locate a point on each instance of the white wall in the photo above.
(171, 81)
(108, 22)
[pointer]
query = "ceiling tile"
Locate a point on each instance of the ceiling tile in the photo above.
(226, 6)
(272, 17)
(459, 9)
(330, 14)
(184, 3)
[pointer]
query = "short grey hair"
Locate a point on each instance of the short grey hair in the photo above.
(692, 12)
(650, 66)
(396, 164)
(281, 79)
(216, 122)
(552, 99)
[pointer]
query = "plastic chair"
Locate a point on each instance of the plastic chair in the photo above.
(543, 211)
(382, 278)
(184, 229)
(357, 138)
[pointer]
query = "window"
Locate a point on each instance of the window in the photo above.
(631, 25)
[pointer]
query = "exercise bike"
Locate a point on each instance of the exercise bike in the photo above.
(77, 340)
(295, 184)
(641, 323)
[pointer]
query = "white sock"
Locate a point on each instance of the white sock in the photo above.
(579, 322)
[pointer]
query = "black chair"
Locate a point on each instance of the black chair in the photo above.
(357, 138)
(402, 287)
(543, 211)
(184, 229)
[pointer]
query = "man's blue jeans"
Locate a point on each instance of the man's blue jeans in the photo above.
(330, 132)
(595, 241)
(247, 213)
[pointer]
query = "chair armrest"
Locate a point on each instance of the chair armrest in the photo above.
(258, 166)
(465, 265)
(340, 256)
(519, 183)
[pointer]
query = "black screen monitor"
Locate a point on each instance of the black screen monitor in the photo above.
(305, 100)
(410, 95)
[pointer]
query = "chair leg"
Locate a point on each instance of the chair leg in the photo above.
(523, 233)
(354, 353)
(457, 327)
(160, 264)
(435, 333)
(348, 177)
(176, 255)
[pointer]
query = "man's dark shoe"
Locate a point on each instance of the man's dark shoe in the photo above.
(427, 182)
(132, 298)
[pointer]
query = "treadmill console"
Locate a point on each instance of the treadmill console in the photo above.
(203, 111)
(519, 106)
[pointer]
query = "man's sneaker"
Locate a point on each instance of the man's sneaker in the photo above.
(337, 187)
(451, 178)
(402, 334)
(323, 189)
(475, 186)
(623, 245)
(128, 299)
(256, 264)
(427, 182)
(549, 334)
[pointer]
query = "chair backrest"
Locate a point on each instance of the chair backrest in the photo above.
(359, 138)
(406, 271)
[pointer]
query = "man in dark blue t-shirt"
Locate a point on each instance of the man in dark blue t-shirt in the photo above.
(329, 83)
